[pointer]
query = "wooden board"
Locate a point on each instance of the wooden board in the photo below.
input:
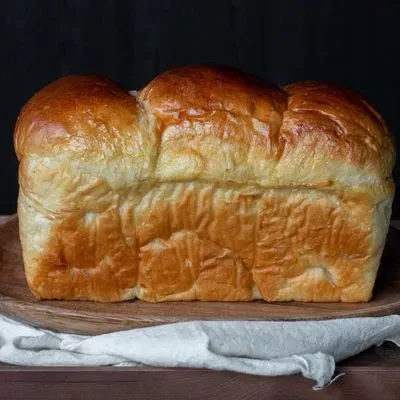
(94, 318)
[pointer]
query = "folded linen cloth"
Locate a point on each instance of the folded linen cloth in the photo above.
(267, 348)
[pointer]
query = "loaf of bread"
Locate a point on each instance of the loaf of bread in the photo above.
(208, 184)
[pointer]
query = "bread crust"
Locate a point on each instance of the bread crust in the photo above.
(207, 184)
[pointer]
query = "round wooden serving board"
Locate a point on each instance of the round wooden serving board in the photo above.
(85, 317)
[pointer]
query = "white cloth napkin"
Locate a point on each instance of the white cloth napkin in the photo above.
(261, 348)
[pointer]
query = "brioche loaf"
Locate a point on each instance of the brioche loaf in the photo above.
(208, 184)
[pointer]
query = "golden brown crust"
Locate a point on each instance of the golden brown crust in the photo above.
(79, 112)
(187, 241)
(333, 124)
(197, 91)
(342, 123)
(87, 114)
(207, 184)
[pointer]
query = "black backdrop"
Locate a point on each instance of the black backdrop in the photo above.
(354, 43)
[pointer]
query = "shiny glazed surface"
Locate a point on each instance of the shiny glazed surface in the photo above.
(207, 184)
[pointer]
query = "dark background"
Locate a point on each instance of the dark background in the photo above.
(354, 43)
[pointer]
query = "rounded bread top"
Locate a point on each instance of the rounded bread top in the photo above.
(235, 127)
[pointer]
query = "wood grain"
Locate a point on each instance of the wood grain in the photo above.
(151, 383)
(95, 318)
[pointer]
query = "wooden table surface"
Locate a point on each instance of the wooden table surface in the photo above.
(373, 374)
